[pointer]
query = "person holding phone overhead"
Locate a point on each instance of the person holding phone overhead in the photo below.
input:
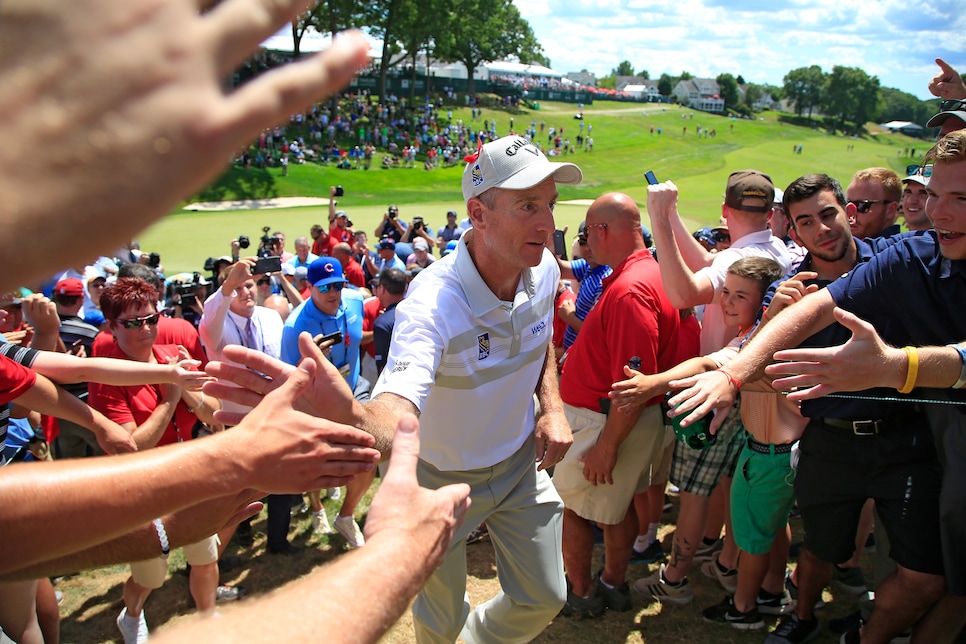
(333, 308)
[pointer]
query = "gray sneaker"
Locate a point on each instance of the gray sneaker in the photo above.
(656, 586)
(850, 579)
(706, 552)
(728, 578)
(617, 598)
(583, 607)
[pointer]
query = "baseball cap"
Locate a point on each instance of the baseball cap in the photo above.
(387, 244)
(71, 287)
(341, 213)
(779, 196)
(420, 244)
(947, 109)
(450, 247)
(325, 270)
(513, 163)
(917, 177)
(288, 269)
(301, 273)
(749, 184)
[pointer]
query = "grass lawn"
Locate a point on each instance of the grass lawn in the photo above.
(624, 149)
(93, 599)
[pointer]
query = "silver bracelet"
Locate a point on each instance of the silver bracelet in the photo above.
(961, 350)
(199, 405)
(163, 537)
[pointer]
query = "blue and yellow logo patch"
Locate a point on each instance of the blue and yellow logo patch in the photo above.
(477, 175)
(483, 343)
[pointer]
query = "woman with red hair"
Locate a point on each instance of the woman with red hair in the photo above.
(155, 415)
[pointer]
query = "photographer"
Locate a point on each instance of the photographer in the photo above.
(186, 294)
(418, 230)
(340, 227)
(391, 226)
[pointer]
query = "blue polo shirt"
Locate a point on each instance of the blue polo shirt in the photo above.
(836, 334)
(910, 293)
(347, 320)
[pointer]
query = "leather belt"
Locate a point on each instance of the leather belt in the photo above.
(857, 427)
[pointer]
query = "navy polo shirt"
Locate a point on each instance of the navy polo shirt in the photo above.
(836, 334)
(910, 293)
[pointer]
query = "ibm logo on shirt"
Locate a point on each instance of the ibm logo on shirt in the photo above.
(483, 343)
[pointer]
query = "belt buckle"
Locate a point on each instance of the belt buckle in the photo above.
(865, 427)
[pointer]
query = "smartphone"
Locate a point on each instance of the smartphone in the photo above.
(651, 179)
(335, 337)
(559, 244)
(267, 265)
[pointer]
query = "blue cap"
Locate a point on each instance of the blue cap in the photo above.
(450, 247)
(325, 270)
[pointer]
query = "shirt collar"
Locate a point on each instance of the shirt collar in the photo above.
(481, 299)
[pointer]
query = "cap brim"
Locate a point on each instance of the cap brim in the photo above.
(531, 175)
(938, 119)
(917, 178)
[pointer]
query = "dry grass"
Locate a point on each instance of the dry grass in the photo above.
(93, 599)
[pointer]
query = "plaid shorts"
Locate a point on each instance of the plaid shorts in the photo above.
(697, 471)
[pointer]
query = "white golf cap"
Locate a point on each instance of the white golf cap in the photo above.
(513, 163)
(917, 178)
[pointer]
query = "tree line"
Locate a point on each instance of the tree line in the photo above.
(847, 97)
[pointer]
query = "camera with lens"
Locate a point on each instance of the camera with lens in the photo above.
(209, 264)
(154, 260)
(339, 192)
(418, 223)
(244, 241)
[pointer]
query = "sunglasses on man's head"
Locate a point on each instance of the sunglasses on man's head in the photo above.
(952, 105)
(325, 288)
(137, 323)
(719, 237)
(865, 205)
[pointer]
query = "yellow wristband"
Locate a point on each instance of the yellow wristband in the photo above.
(912, 373)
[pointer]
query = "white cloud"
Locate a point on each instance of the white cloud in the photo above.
(761, 40)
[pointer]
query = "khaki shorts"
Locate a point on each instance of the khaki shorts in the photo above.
(151, 573)
(661, 470)
(608, 504)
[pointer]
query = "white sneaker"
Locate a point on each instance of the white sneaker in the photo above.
(334, 493)
(134, 632)
(320, 522)
(349, 529)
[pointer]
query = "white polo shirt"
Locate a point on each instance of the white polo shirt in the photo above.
(470, 365)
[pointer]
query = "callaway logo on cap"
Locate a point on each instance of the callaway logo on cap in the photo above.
(513, 163)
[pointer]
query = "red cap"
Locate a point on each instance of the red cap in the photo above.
(71, 287)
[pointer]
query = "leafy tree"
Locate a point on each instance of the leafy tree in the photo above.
(753, 93)
(476, 31)
(804, 87)
(901, 106)
(643, 73)
(729, 90)
(624, 69)
(685, 76)
(851, 96)
(665, 85)
(741, 80)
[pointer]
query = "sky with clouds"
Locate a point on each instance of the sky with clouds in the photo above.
(761, 40)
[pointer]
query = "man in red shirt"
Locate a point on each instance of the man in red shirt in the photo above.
(633, 322)
(352, 269)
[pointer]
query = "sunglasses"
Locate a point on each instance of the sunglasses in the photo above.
(952, 106)
(865, 205)
(137, 323)
(581, 241)
(720, 237)
(325, 288)
(263, 281)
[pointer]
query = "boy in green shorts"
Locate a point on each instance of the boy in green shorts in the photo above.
(741, 298)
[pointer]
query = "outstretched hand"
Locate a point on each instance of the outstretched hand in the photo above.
(327, 396)
(427, 518)
(297, 451)
(856, 365)
(140, 119)
(701, 395)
